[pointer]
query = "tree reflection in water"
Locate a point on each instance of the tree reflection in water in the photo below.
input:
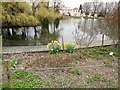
(32, 36)
(85, 31)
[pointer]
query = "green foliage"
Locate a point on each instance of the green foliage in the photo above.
(46, 84)
(24, 19)
(81, 86)
(21, 14)
(97, 77)
(75, 70)
(17, 14)
(69, 47)
(111, 84)
(13, 62)
(54, 47)
(43, 13)
(25, 79)
(3, 85)
(99, 52)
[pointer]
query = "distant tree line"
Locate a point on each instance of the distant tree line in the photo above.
(99, 8)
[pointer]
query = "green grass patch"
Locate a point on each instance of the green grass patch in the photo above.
(97, 77)
(75, 70)
(26, 79)
(98, 52)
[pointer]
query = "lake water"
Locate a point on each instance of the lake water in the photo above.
(72, 30)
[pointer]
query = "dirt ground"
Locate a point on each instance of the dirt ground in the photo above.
(93, 73)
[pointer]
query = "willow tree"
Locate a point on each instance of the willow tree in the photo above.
(43, 12)
(46, 15)
(16, 14)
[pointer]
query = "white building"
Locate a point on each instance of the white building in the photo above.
(70, 11)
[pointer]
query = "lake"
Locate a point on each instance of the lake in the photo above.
(73, 30)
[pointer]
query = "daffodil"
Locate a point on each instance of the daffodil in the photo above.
(66, 44)
(60, 44)
(73, 43)
(52, 49)
(47, 46)
(55, 41)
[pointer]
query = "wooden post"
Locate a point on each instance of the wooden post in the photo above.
(1, 68)
(8, 73)
(0, 48)
(102, 39)
(63, 43)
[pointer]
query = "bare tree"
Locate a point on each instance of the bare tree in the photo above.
(111, 22)
(57, 4)
(95, 8)
(87, 7)
(86, 34)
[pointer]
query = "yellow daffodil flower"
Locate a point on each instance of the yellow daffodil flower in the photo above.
(60, 44)
(55, 41)
(51, 49)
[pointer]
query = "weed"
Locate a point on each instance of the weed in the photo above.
(13, 62)
(98, 52)
(59, 82)
(26, 79)
(75, 70)
(97, 77)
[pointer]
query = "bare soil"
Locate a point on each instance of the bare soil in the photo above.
(60, 78)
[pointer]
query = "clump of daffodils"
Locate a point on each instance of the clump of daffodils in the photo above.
(69, 47)
(54, 47)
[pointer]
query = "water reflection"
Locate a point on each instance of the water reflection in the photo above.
(46, 32)
(31, 36)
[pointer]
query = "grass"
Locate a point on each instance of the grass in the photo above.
(80, 86)
(75, 70)
(26, 79)
(98, 52)
(111, 84)
(95, 78)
